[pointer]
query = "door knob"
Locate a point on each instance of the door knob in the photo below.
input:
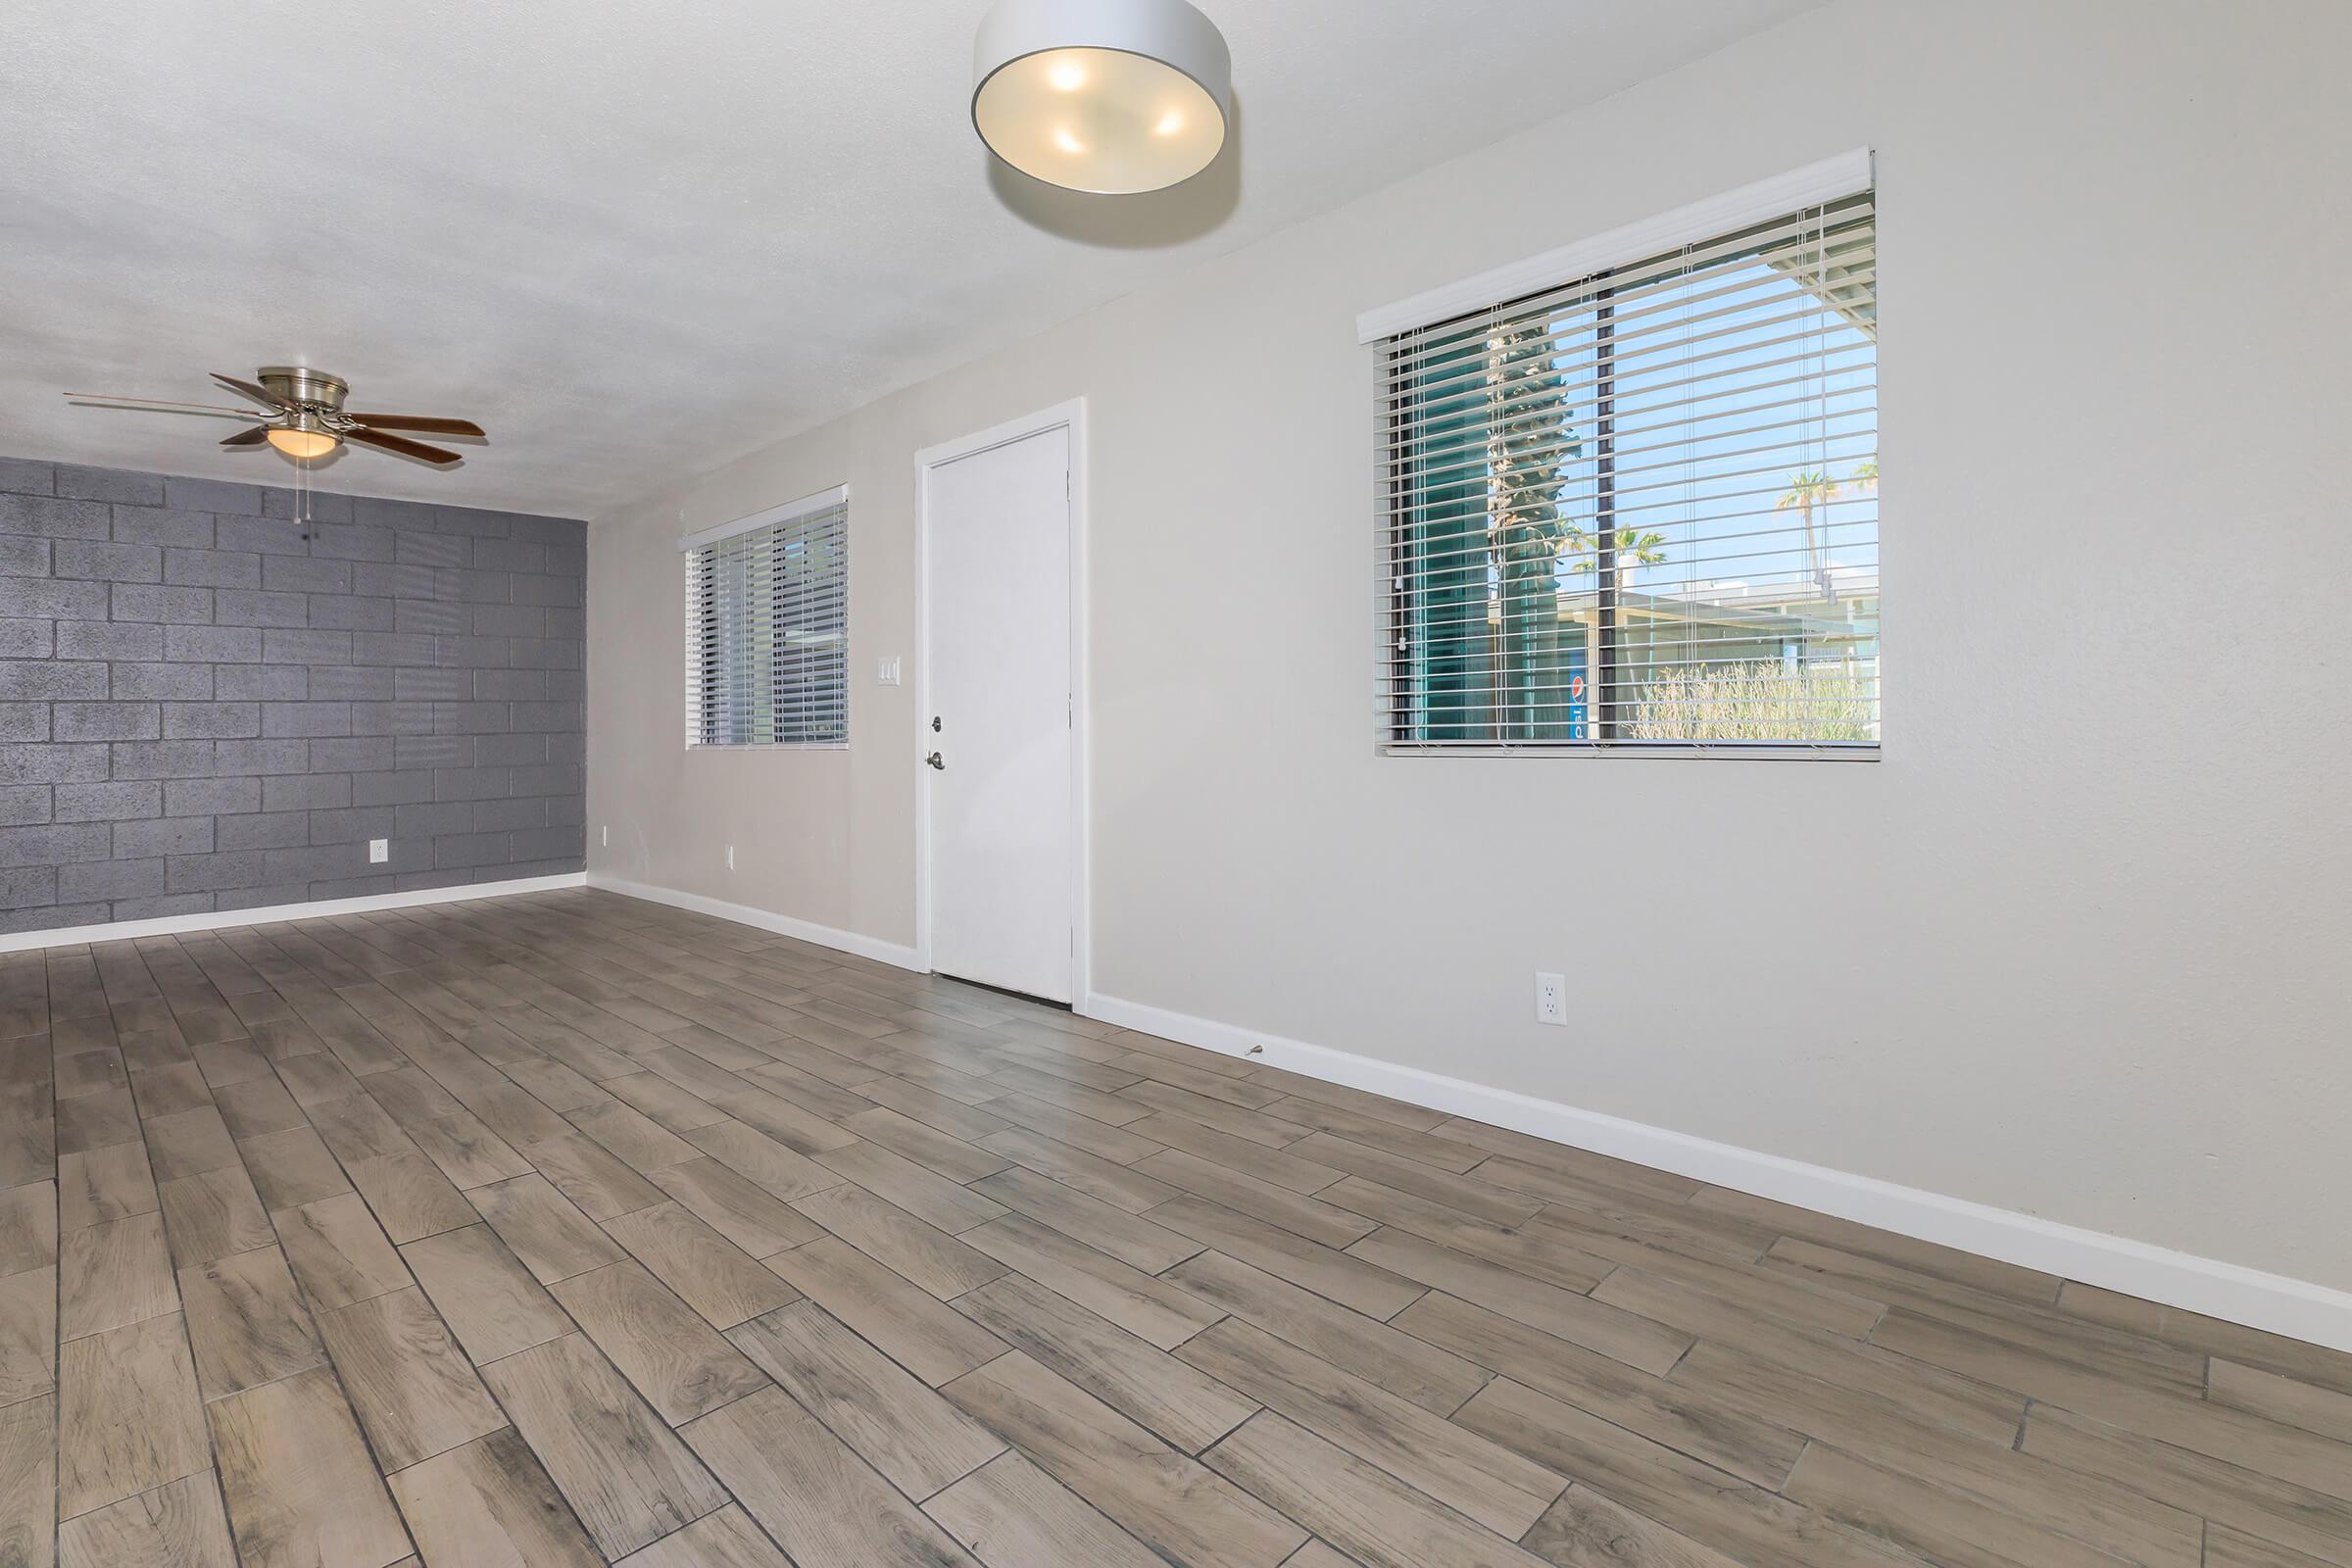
(934, 761)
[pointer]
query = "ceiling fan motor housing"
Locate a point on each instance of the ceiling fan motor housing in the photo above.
(300, 387)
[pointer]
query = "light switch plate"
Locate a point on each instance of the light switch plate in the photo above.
(886, 671)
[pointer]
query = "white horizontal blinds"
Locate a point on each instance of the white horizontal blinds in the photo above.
(1641, 508)
(767, 634)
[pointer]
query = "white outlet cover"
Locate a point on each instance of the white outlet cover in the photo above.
(378, 851)
(1552, 999)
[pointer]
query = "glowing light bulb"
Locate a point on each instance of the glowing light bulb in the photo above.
(1066, 74)
(1068, 142)
(1169, 123)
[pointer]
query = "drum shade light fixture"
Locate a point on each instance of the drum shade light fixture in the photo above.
(1111, 97)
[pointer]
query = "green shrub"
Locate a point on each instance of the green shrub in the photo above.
(1762, 701)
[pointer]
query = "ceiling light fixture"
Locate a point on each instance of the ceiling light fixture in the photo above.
(1111, 97)
(305, 438)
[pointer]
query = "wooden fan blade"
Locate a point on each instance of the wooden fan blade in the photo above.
(249, 438)
(418, 422)
(258, 395)
(406, 449)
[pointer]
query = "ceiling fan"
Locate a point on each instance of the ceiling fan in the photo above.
(305, 416)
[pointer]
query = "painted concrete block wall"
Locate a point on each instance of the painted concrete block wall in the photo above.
(205, 706)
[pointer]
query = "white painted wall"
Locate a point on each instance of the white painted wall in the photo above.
(2075, 948)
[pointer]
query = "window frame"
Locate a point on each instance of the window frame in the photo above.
(1588, 262)
(779, 520)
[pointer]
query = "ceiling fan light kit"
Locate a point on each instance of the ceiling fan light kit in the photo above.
(1110, 97)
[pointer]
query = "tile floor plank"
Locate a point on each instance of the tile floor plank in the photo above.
(1109, 1230)
(1164, 1498)
(1144, 1306)
(1176, 1401)
(726, 1539)
(1682, 1417)
(1586, 1530)
(1411, 1368)
(813, 1496)
(213, 1215)
(920, 1252)
(540, 1225)
(178, 1525)
(904, 1322)
(762, 1161)
(301, 1491)
(115, 1274)
(409, 1195)
(745, 1213)
(1938, 1524)
(28, 1215)
(487, 1297)
(29, 1496)
(706, 1270)
(1246, 1193)
(626, 1476)
(1476, 1477)
(915, 1187)
(129, 1416)
(1127, 1188)
(676, 1361)
(488, 1504)
(1011, 1514)
(1374, 1518)
(246, 1322)
(1342, 1277)
(894, 1422)
(95, 1185)
(338, 1252)
(1753, 1527)
(415, 1394)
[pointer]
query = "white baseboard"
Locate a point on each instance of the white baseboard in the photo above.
(2272, 1301)
(824, 936)
(270, 914)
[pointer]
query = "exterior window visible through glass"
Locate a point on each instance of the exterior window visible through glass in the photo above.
(766, 635)
(1641, 509)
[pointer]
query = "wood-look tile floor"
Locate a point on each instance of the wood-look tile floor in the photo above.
(575, 1230)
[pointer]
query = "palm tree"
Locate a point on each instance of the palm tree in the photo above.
(1866, 474)
(1807, 490)
(1633, 550)
(1526, 437)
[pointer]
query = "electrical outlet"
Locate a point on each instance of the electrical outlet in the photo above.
(730, 857)
(1551, 999)
(378, 851)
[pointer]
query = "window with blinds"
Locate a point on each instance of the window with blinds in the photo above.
(1640, 510)
(768, 628)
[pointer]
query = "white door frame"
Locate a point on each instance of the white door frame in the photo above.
(1070, 416)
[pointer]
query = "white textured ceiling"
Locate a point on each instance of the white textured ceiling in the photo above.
(636, 239)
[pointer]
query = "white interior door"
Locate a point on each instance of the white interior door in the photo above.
(1004, 829)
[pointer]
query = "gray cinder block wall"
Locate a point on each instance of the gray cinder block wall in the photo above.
(204, 706)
